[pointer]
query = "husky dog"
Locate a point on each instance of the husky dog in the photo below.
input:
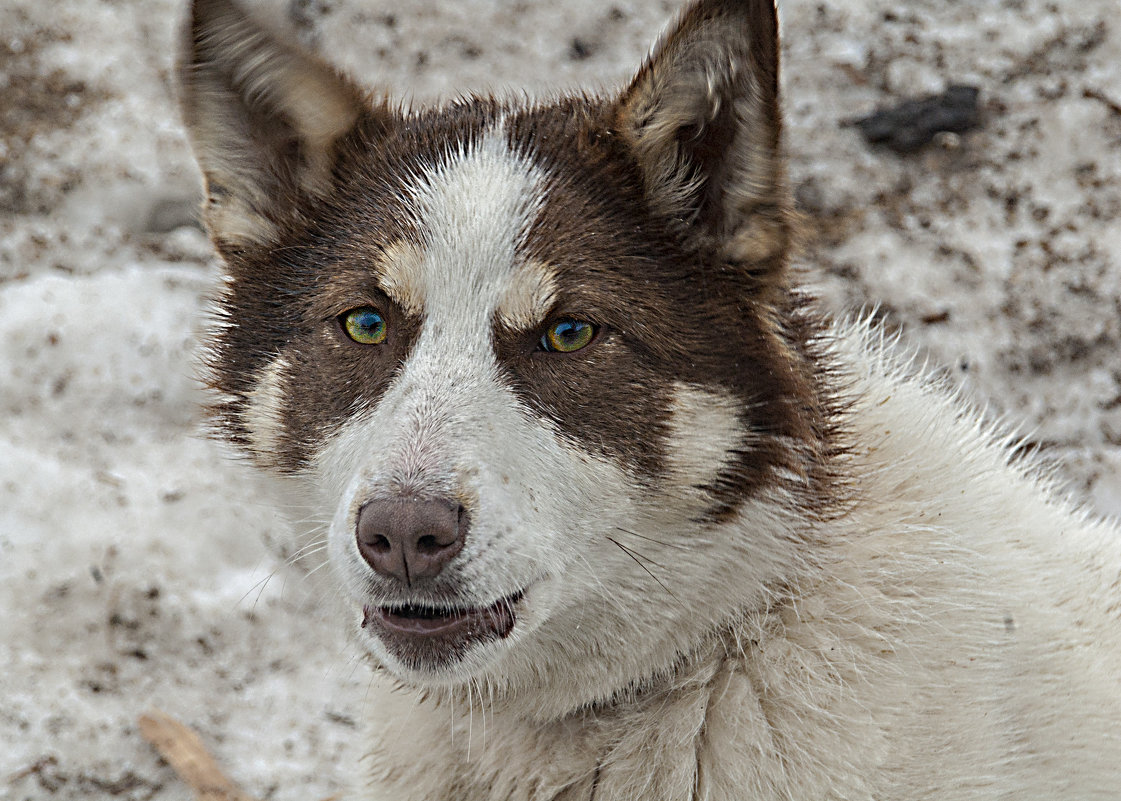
(617, 513)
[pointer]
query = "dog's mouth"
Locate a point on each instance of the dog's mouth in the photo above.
(426, 637)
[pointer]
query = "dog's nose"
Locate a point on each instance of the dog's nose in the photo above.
(410, 538)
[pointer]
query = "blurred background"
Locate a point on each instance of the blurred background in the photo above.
(141, 567)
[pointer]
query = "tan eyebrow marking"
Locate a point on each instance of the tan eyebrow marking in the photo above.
(401, 273)
(528, 297)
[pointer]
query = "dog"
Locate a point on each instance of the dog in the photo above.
(616, 511)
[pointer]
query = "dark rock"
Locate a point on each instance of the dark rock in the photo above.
(911, 124)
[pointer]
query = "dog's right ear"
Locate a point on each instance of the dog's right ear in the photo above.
(264, 118)
(703, 121)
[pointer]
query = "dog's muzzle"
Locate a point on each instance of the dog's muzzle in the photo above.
(410, 541)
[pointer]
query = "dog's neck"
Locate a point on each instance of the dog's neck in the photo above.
(677, 721)
(728, 647)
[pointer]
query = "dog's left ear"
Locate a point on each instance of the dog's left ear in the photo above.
(702, 119)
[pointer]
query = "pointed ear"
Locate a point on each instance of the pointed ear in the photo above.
(703, 120)
(264, 119)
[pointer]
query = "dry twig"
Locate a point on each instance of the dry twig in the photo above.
(183, 750)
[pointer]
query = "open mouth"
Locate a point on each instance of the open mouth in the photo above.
(433, 636)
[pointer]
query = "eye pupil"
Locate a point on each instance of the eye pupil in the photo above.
(568, 335)
(365, 325)
(568, 332)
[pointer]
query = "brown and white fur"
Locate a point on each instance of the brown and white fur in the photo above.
(727, 550)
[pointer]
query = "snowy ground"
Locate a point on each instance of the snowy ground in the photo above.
(135, 555)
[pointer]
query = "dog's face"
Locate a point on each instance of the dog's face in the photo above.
(538, 362)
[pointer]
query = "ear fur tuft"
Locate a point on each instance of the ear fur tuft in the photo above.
(264, 118)
(703, 121)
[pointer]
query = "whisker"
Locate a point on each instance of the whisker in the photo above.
(259, 587)
(304, 552)
(318, 567)
(651, 561)
(676, 545)
(470, 717)
(637, 561)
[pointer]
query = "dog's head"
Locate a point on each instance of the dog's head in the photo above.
(540, 362)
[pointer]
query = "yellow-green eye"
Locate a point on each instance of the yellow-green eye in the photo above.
(365, 325)
(568, 335)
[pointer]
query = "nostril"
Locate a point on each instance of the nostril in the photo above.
(428, 544)
(380, 543)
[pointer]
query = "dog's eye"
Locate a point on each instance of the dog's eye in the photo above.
(365, 325)
(568, 335)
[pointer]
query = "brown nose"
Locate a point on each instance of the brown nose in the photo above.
(410, 538)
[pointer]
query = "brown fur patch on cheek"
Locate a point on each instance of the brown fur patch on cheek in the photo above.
(681, 315)
(288, 380)
(602, 398)
(332, 379)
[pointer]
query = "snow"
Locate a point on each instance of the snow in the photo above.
(141, 564)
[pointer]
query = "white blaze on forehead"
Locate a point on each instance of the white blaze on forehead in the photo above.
(473, 210)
